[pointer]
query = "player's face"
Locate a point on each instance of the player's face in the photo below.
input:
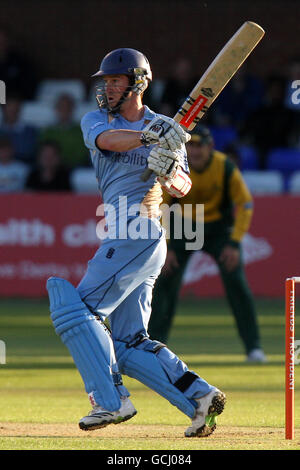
(115, 86)
(198, 154)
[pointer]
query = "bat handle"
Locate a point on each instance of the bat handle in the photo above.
(146, 174)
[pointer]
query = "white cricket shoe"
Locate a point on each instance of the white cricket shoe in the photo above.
(99, 417)
(257, 355)
(205, 419)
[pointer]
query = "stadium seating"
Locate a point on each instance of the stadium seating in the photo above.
(37, 114)
(284, 159)
(264, 182)
(49, 90)
(248, 158)
(83, 181)
(223, 136)
(294, 183)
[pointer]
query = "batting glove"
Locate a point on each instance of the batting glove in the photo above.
(163, 161)
(166, 132)
(177, 186)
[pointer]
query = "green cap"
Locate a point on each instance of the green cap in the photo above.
(201, 134)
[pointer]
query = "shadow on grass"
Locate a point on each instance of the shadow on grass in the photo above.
(197, 364)
(36, 365)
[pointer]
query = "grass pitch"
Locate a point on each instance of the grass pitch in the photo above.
(42, 396)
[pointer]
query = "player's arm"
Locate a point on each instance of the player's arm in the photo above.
(99, 134)
(117, 140)
(161, 130)
(242, 199)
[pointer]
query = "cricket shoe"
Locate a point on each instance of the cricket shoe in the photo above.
(205, 420)
(257, 356)
(99, 417)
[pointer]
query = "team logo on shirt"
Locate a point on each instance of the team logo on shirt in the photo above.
(130, 158)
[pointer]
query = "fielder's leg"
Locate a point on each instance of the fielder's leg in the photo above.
(238, 295)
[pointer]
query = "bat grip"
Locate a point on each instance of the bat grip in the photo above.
(146, 174)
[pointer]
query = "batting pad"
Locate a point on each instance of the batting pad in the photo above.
(161, 370)
(88, 342)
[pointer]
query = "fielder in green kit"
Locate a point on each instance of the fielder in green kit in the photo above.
(219, 185)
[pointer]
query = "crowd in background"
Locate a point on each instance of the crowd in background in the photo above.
(251, 113)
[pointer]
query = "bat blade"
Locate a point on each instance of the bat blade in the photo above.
(216, 77)
(218, 74)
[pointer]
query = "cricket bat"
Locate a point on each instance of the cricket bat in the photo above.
(216, 77)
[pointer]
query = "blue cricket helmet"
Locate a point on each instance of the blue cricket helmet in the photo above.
(125, 61)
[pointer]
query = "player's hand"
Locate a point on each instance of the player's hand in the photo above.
(166, 132)
(171, 263)
(230, 257)
(163, 162)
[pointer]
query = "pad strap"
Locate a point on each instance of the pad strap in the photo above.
(136, 341)
(185, 381)
(154, 346)
(117, 378)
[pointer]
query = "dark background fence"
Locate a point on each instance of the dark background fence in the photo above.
(68, 39)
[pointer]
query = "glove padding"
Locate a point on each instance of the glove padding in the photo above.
(177, 186)
(166, 132)
(163, 162)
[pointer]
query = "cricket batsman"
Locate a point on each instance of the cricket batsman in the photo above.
(123, 137)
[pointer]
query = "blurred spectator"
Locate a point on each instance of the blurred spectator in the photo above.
(12, 173)
(49, 174)
(67, 134)
(178, 87)
(23, 136)
(272, 125)
(242, 96)
(15, 70)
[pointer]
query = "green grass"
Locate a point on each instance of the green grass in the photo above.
(42, 396)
